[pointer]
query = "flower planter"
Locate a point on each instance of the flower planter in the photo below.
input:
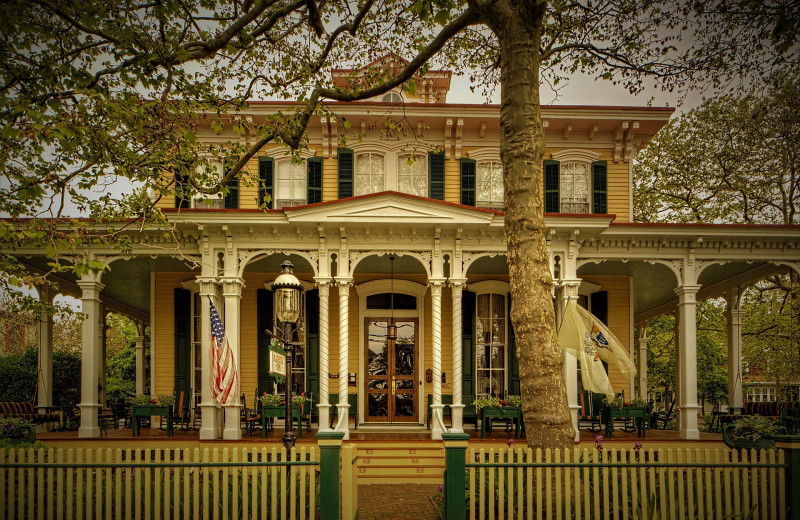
(730, 440)
(139, 411)
(21, 434)
(487, 413)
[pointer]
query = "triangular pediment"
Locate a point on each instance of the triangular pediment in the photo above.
(389, 207)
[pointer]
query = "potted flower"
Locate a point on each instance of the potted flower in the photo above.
(271, 400)
(273, 405)
(16, 431)
(513, 400)
(751, 431)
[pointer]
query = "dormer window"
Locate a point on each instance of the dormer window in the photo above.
(392, 97)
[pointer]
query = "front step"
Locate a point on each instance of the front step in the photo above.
(387, 462)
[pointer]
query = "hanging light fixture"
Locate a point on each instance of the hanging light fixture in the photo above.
(391, 330)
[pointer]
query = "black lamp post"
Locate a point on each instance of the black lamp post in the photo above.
(287, 290)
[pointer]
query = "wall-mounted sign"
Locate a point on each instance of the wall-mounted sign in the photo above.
(333, 376)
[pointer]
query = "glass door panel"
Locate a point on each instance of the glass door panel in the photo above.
(391, 382)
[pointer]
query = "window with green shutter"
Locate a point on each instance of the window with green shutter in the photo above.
(232, 197)
(345, 172)
(314, 180)
(599, 187)
(468, 182)
(266, 167)
(182, 199)
(552, 171)
(436, 175)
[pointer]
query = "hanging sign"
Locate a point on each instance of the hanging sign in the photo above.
(277, 361)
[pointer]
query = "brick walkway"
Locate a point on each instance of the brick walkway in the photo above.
(396, 501)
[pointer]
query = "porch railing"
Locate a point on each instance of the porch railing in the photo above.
(161, 483)
(617, 484)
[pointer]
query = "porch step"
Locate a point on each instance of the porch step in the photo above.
(388, 462)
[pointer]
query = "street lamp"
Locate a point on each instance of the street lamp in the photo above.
(287, 290)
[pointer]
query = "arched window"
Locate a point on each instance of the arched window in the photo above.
(490, 185)
(369, 176)
(412, 174)
(392, 97)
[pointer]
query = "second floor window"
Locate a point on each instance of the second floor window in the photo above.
(574, 188)
(412, 174)
(490, 185)
(290, 185)
(369, 176)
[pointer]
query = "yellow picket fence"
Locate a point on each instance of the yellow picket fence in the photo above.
(216, 484)
(625, 484)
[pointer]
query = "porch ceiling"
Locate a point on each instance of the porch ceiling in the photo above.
(654, 284)
(127, 281)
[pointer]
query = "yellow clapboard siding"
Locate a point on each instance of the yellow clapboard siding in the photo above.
(162, 350)
(619, 321)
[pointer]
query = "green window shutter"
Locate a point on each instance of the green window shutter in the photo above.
(266, 166)
(468, 342)
(513, 362)
(265, 323)
(345, 173)
(314, 183)
(468, 182)
(181, 186)
(232, 198)
(599, 187)
(182, 335)
(600, 305)
(552, 197)
(436, 175)
(312, 344)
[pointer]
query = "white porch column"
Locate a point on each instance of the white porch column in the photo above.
(102, 328)
(44, 383)
(90, 356)
(734, 315)
(342, 425)
(209, 426)
(641, 336)
(324, 285)
(139, 347)
(569, 291)
(457, 408)
(232, 293)
(437, 420)
(687, 356)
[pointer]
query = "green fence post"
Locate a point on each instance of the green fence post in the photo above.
(455, 445)
(790, 444)
(330, 444)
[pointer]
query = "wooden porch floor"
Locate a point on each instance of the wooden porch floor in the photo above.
(154, 438)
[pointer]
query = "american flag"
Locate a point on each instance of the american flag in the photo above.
(224, 379)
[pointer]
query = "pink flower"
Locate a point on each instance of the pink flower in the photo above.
(510, 442)
(637, 445)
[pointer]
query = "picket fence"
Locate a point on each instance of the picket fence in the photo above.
(216, 484)
(624, 484)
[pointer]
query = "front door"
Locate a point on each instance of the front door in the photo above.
(391, 382)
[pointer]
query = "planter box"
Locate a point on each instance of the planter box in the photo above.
(513, 413)
(730, 440)
(138, 412)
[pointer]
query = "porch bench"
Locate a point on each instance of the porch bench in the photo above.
(25, 410)
(775, 410)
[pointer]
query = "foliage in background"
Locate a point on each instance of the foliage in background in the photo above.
(18, 377)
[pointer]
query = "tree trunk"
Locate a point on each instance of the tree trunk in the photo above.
(522, 144)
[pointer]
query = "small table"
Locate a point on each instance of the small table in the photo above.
(639, 414)
(513, 413)
(139, 412)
